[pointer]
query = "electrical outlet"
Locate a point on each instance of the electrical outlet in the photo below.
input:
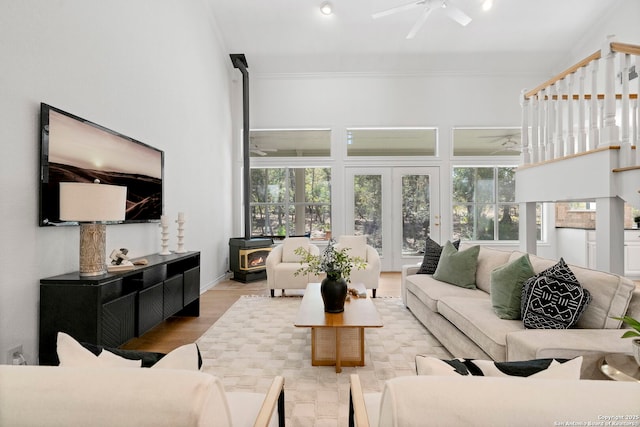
(15, 353)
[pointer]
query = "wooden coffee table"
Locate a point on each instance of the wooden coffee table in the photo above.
(337, 338)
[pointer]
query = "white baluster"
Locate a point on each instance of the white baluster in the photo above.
(625, 144)
(635, 138)
(524, 133)
(594, 134)
(559, 133)
(571, 143)
(542, 121)
(551, 114)
(535, 143)
(582, 126)
(609, 131)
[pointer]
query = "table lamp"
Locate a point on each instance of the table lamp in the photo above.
(92, 204)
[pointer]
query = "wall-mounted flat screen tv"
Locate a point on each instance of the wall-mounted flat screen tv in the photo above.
(76, 150)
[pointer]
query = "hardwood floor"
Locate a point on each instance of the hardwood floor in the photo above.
(177, 331)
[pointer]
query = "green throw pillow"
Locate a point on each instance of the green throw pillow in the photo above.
(458, 267)
(506, 287)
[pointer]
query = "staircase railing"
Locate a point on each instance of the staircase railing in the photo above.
(588, 107)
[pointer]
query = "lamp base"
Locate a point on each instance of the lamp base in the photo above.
(93, 249)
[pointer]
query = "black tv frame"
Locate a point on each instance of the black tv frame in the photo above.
(93, 143)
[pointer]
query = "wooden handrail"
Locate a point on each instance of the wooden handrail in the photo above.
(594, 56)
(630, 49)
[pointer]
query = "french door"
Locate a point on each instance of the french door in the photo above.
(396, 208)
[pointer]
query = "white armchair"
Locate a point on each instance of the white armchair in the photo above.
(370, 275)
(283, 262)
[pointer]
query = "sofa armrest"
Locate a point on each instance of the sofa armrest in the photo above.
(274, 400)
(407, 270)
(357, 408)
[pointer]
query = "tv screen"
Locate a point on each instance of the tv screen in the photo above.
(76, 150)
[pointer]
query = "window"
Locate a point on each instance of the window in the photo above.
(484, 205)
(291, 202)
(486, 142)
(290, 143)
(392, 142)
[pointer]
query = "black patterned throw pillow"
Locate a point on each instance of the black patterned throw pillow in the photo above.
(553, 299)
(432, 252)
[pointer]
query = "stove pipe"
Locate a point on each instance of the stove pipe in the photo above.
(240, 62)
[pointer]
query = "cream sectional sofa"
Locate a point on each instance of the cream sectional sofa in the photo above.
(465, 323)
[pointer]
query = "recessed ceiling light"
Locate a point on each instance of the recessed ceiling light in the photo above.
(487, 4)
(326, 8)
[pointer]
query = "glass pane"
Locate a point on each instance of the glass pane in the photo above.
(290, 143)
(318, 221)
(508, 219)
(392, 142)
(506, 184)
(268, 220)
(473, 185)
(318, 185)
(267, 185)
(486, 142)
(367, 208)
(415, 213)
(473, 222)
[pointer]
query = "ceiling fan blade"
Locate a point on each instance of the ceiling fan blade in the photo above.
(420, 22)
(455, 13)
(397, 9)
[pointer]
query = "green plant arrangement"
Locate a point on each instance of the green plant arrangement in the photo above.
(634, 333)
(635, 325)
(337, 264)
(334, 262)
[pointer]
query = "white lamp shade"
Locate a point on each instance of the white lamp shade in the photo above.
(88, 202)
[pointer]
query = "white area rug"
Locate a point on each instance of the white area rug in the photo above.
(255, 340)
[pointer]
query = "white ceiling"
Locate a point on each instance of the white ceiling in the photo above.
(293, 36)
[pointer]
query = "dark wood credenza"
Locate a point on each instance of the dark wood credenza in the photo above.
(111, 309)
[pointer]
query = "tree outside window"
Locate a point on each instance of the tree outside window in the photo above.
(484, 205)
(291, 202)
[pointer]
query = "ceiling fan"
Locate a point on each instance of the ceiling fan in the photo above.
(255, 149)
(508, 144)
(428, 6)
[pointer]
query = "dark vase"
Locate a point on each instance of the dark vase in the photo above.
(334, 293)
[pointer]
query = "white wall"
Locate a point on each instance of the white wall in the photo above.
(150, 69)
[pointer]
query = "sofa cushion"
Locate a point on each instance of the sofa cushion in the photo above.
(458, 267)
(429, 290)
(553, 299)
(475, 318)
(506, 287)
(610, 295)
(488, 260)
(536, 368)
(289, 246)
(432, 252)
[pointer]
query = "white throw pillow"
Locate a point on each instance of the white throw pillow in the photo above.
(72, 354)
(183, 357)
